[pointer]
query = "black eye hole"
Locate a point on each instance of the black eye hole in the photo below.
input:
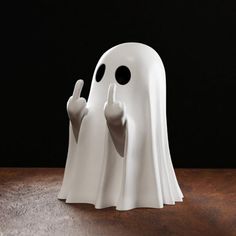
(100, 72)
(122, 75)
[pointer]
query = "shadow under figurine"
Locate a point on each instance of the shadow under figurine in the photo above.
(118, 151)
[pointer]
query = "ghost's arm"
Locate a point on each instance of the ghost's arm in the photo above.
(116, 120)
(76, 109)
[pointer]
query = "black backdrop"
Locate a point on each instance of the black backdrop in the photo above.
(48, 45)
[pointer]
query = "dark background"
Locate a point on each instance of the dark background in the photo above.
(48, 45)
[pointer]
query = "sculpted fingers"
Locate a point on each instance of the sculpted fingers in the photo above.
(77, 89)
(111, 93)
(76, 105)
(113, 110)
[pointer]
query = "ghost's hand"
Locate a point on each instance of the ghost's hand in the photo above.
(116, 120)
(113, 110)
(76, 108)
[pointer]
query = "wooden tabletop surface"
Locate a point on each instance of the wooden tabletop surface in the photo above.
(29, 206)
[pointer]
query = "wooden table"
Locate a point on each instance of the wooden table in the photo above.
(29, 206)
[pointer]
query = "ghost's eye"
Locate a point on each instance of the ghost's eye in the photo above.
(100, 72)
(122, 75)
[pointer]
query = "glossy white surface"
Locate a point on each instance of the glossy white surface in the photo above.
(118, 151)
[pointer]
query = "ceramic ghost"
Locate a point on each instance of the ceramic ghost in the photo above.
(118, 151)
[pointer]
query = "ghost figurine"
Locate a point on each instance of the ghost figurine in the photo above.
(118, 151)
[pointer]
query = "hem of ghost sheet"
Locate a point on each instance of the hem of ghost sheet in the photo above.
(121, 208)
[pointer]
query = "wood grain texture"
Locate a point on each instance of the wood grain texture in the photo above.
(29, 206)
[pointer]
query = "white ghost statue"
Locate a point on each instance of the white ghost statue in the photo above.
(118, 151)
